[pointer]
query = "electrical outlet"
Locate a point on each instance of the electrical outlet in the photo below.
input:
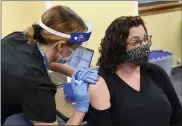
(179, 62)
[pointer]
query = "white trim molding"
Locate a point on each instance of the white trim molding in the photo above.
(136, 8)
(48, 4)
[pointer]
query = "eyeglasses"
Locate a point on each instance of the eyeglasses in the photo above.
(136, 41)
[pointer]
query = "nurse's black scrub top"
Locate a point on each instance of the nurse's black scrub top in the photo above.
(26, 86)
(148, 107)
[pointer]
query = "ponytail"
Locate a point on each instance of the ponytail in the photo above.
(34, 34)
(29, 32)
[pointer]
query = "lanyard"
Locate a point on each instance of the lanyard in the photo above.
(44, 56)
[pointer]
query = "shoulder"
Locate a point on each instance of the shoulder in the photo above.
(99, 95)
(12, 42)
(158, 74)
(155, 69)
(20, 63)
(15, 36)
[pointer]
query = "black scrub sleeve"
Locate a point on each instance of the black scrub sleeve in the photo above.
(96, 117)
(167, 86)
(37, 97)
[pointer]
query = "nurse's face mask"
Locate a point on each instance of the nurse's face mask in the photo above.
(67, 52)
(75, 40)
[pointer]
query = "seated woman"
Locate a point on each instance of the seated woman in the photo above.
(131, 91)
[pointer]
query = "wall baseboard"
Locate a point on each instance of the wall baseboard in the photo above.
(176, 70)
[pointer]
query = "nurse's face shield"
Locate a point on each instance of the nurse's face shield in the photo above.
(77, 38)
(70, 49)
(75, 59)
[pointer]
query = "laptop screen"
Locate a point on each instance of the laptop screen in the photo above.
(81, 58)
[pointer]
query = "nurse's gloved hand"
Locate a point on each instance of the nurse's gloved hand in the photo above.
(80, 92)
(87, 75)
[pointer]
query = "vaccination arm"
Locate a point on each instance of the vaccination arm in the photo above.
(62, 68)
(100, 104)
(99, 95)
(80, 91)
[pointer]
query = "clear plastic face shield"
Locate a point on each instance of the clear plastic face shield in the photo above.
(77, 56)
(77, 39)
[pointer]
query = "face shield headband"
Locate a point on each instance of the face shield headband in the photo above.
(75, 37)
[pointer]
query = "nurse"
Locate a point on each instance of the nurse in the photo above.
(26, 58)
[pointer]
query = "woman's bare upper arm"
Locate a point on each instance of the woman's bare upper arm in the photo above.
(99, 95)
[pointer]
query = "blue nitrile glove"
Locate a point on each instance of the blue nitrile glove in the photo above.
(80, 92)
(87, 75)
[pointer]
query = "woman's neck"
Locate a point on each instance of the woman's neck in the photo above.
(128, 69)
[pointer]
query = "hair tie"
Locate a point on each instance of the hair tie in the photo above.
(37, 31)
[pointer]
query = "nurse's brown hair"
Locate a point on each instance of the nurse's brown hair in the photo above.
(59, 18)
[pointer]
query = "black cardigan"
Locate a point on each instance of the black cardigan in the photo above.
(159, 76)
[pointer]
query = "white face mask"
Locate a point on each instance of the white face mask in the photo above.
(61, 60)
(65, 60)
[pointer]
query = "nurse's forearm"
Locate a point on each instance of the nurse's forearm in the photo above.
(45, 124)
(76, 118)
(62, 68)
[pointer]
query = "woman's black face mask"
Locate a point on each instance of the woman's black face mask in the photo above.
(138, 56)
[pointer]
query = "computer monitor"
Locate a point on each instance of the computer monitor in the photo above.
(81, 58)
